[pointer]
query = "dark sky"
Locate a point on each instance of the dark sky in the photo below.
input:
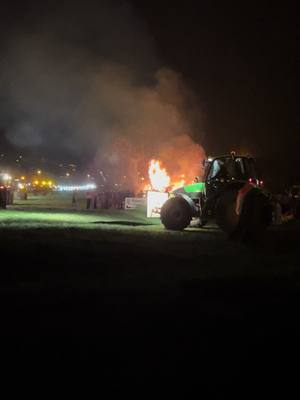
(241, 59)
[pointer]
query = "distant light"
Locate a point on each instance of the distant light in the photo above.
(22, 177)
(67, 174)
(67, 188)
(6, 177)
(39, 171)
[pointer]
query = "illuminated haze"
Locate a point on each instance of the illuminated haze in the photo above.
(83, 83)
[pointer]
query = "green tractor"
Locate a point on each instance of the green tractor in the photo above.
(231, 195)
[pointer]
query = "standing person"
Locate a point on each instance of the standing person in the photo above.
(3, 197)
(285, 201)
(277, 211)
(74, 200)
(101, 199)
(95, 199)
(88, 199)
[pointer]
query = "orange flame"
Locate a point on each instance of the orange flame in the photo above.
(159, 178)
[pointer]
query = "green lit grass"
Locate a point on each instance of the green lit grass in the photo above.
(55, 211)
(23, 218)
(50, 224)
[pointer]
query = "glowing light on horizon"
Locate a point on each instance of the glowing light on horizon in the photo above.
(68, 188)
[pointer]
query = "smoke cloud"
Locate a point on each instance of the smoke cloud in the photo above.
(89, 84)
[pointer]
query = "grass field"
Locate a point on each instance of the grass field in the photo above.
(114, 287)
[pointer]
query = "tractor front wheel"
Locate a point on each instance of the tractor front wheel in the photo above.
(176, 214)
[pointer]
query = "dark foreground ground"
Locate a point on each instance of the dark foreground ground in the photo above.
(133, 300)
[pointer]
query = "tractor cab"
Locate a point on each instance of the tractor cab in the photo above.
(231, 168)
(229, 171)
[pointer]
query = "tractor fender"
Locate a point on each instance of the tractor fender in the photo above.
(189, 201)
(242, 193)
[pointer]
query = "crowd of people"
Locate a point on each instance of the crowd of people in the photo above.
(285, 207)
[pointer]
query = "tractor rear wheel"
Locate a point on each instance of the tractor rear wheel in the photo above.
(226, 216)
(176, 214)
(254, 218)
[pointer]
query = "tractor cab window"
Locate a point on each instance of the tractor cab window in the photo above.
(213, 170)
(250, 168)
(218, 170)
(239, 170)
(228, 168)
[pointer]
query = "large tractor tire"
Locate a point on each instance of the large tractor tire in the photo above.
(255, 215)
(225, 212)
(176, 214)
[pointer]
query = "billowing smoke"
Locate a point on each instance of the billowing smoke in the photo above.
(89, 84)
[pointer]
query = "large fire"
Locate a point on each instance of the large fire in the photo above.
(132, 166)
(160, 180)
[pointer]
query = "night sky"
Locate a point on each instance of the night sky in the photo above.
(240, 59)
